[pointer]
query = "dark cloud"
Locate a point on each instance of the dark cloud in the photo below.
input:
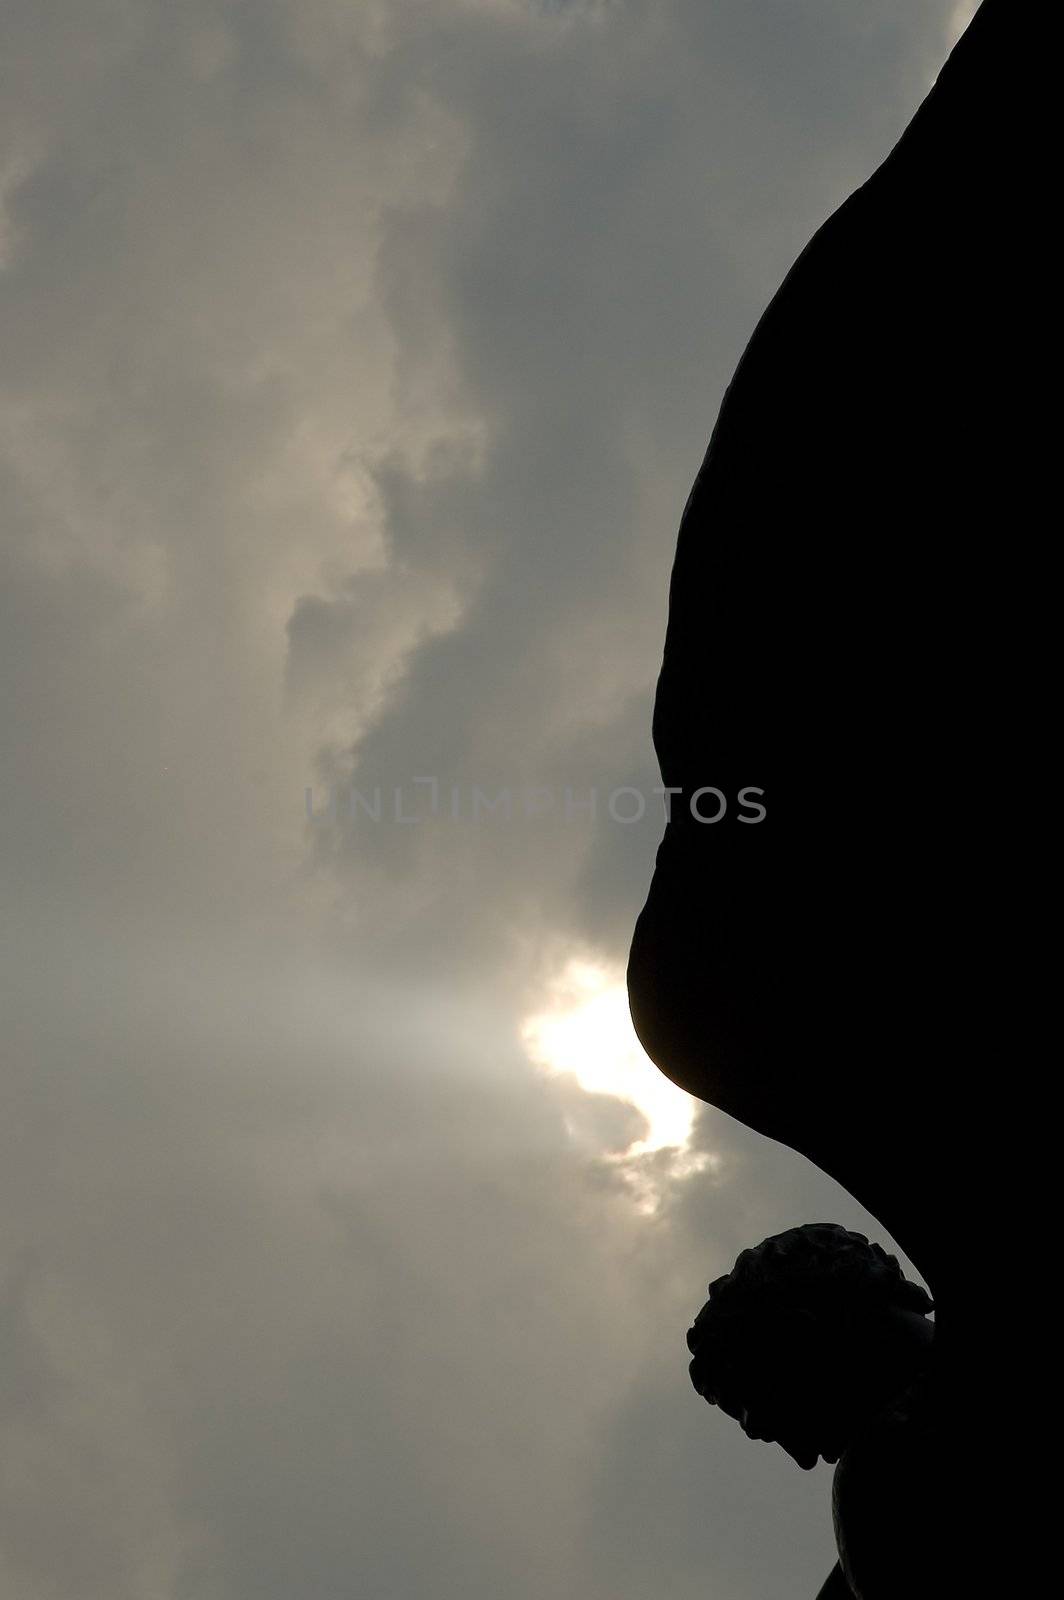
(634, 187)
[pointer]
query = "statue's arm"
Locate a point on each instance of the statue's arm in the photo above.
(836, 1588)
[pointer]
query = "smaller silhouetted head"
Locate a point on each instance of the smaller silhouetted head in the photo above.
(808, 1338)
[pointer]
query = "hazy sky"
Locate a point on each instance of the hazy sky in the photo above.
(356, 359)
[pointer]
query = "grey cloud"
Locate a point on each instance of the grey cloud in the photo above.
(357, 360)
(593, 270)
(307, 1305)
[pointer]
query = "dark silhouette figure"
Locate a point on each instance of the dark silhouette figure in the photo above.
(817, 1342)
(859, 642)
(846, 637)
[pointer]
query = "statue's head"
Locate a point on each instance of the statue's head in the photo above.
(808, 1338)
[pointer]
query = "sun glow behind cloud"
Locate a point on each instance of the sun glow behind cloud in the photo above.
(585, 1029)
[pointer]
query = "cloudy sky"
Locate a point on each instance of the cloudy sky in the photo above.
(356, 358)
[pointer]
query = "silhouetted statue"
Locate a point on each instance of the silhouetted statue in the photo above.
(861, 640)
(848, 643)
(816, 1341)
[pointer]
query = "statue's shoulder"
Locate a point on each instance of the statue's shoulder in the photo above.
(887, 1502)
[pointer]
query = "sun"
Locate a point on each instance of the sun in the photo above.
(585, 1029)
